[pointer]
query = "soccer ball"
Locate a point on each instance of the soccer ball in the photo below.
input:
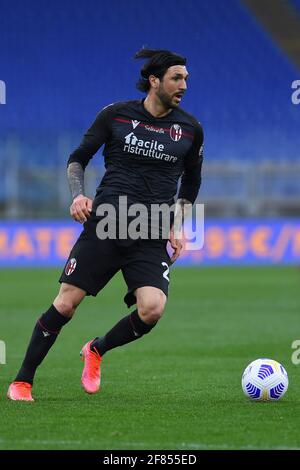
(265, 379)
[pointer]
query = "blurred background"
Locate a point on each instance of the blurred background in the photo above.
(62, 61)
(236, 300)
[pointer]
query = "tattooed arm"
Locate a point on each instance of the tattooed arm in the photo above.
(75, 174)
(96, 135)
(81, 206)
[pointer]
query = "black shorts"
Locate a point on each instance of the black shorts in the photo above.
(93, 262)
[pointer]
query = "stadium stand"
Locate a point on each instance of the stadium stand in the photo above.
(296, 4)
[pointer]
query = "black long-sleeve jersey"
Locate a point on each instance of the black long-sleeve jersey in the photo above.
(144, 156)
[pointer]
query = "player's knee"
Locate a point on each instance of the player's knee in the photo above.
(152, 310)
(68, 299)
(66, 307)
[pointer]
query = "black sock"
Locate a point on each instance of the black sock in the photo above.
(128, 329)
(43, 337)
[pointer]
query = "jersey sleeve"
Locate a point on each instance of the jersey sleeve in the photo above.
(96, 135)
(191, 178)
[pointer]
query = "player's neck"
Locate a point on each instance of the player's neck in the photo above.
(155, 107)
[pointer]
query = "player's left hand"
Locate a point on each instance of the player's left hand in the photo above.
(176, 244)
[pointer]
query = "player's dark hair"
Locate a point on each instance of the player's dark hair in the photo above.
(159, 62)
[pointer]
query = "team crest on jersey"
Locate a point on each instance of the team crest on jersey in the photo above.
(175, 132)
(71, 265)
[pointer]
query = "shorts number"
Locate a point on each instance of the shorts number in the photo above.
(166, 272)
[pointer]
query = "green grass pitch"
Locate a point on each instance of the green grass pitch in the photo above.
(178, 387)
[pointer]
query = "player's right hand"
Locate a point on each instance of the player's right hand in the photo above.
(81, 208)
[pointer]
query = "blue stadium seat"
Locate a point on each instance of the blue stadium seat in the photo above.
(76, 57)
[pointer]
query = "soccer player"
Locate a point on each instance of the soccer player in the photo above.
(149, 144)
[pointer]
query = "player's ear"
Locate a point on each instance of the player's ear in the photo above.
(154, 81)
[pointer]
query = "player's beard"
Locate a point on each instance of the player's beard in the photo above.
(165, 98)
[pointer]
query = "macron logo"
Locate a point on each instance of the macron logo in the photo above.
(46, 333)
(135, 123)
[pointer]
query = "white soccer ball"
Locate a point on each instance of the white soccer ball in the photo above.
(265, 379)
